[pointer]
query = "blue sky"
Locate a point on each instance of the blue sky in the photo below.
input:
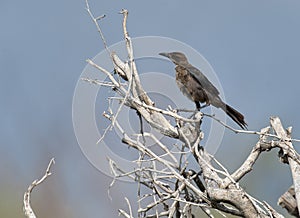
(253, 47)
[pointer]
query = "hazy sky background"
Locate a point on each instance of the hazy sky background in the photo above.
(253, 47)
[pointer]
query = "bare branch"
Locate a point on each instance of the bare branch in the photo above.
(172, 189)
(26, 207)
(95, 20)
(247, 166)
(272, 212)
(288, 201)
(247, 131)
(293, 156)
(140, 91)
(107, 73)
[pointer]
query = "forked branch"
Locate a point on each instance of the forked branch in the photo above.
(174, 190)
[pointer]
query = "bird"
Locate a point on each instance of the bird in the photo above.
(195, 85)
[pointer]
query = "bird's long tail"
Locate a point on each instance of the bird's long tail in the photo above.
(236, 116)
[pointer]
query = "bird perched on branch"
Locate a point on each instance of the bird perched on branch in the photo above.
(194, 84)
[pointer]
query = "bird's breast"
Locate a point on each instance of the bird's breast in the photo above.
(189, 86)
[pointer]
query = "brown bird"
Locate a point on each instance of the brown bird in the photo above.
(194, 84)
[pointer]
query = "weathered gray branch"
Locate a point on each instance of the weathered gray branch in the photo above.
(27, 207)
(292, 156)
(288, 201)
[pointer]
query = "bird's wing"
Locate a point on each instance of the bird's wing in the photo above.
(202, 79)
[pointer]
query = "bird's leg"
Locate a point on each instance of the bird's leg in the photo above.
(198, 108)
(141, 126)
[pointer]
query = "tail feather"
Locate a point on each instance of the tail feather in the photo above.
(236, 116)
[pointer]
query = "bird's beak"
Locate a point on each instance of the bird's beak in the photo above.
(165, 54)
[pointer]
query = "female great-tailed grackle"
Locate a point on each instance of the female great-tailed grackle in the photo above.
(194, 84)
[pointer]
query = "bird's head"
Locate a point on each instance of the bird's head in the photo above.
(177, 58)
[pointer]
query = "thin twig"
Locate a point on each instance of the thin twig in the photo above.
(107, 73)
(249, 131)
(95, 20)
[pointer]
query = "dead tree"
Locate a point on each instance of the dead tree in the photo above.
(170, 189)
